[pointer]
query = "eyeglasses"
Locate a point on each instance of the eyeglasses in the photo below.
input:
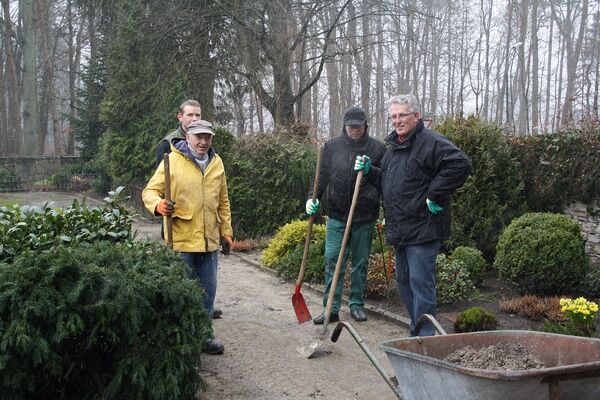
(395, 117)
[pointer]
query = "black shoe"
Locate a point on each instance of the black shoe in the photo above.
(217, 312)
(213, 347)
(358, 314)
(320, 319)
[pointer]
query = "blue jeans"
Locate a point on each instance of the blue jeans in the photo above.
(415, 278)
(204, 270)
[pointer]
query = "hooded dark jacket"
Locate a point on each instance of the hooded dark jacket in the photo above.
(337, 177)
(426, 166)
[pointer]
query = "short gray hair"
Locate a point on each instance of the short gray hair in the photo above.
(411, 100)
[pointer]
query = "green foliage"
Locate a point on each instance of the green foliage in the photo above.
(493, 194)
(561, 168)
(475, 319)
(452, 280)
(42, 228)
(562, 328)
(289, 264)
(102, 320)
(473, 260)
(142, 94)
(543, 254)
(287, 238)
(591, 286)
(268, 178)
(222, 142)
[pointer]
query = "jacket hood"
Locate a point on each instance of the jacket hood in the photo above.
(182, 147)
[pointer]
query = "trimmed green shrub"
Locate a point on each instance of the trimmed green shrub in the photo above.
(591, 285)
(561, 168)
(493, 194)
(41, 228)
(475, 319)
(452, 280)
(289, 265)
(102, 320)
(287, 238)
(268, 178)
(542, 254)
(473, 260)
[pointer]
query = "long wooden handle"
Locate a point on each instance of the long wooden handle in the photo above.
(311, 220)
(338, 265)
(168, 197)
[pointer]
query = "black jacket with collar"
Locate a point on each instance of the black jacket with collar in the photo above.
(337, 177)
(426, 166)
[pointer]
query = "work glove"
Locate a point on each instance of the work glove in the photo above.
(364, 163)
(226, 244)
(312, 207)
(433, 207)
(165, 207)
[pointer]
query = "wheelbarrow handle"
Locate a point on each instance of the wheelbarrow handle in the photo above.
(428, 317)
(391, 381)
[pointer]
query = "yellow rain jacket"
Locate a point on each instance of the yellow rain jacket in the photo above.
(202, 213)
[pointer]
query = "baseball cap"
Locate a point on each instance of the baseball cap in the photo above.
(200, 126)
(355, 116)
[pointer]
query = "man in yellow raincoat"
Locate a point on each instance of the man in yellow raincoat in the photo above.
(199, 206)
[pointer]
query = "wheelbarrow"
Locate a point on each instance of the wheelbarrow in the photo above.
(571, 366)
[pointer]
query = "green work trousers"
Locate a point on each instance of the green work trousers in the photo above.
(359, 247)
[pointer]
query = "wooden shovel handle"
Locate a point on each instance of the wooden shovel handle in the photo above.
(338, 265)
(311, 220)
(169, 218)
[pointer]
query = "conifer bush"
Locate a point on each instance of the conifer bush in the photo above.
(493, 194)
(268, 178)
(542, 254)
(103, 320)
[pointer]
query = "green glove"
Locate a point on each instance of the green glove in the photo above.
(364, 163)
(312, 207)
(433, 207)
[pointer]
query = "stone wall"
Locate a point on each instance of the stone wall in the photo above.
(588, 217)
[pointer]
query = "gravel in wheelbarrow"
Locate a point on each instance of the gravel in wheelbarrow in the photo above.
(571, 368)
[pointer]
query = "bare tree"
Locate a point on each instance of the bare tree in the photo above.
(565, 21)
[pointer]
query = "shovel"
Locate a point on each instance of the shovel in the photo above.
(298, 302)
(317, 341)
(168, 197)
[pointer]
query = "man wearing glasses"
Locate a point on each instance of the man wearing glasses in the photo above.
(419, 171)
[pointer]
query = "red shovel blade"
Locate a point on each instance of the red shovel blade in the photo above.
(300, 307)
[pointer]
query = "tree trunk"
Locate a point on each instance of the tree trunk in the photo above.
(3, 116)
(31, 126)
(547, 124)
(15, 133)
(535, 65)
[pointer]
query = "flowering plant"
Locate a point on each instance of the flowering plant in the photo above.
(580, 312)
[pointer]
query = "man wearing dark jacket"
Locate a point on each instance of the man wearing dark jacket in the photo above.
(336, 186)
(419, 171)
(189, 111)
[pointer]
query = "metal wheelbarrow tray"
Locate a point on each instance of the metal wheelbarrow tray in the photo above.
(572, 368)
